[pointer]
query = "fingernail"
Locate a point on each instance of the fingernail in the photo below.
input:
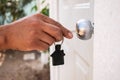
(70, 34)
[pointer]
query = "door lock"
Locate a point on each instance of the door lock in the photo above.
(84, 29)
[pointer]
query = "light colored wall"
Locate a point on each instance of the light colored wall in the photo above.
(107, 40)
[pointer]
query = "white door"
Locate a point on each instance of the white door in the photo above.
(79, 53)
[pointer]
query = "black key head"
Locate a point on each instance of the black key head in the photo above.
(58, 56)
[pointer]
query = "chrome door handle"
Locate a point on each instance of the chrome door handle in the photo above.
(84, 29)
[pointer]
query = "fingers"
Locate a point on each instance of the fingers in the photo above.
(66, 32)
(53, 31)
(39, 45)
(42, 40)
(46, 38)
(47, 31)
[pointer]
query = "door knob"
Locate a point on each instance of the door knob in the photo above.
(84, 29)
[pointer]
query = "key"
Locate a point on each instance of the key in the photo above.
(58, 56)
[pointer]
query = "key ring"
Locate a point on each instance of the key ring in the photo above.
(61, 42)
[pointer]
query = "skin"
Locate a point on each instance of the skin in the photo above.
(36, 32)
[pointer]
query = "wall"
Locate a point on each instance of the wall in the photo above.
(107, 40)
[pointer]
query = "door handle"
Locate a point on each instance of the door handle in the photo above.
(84, 29)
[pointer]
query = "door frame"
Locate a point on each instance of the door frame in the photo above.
(54, 10)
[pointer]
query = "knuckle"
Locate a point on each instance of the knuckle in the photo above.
(38, 15)
(43, 17)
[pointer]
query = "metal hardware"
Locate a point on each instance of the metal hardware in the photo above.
(84, 29)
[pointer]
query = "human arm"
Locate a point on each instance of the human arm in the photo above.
(36, 32)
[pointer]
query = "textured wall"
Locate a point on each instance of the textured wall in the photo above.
(107, 40)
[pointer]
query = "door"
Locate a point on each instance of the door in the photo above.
(107, 40)
(79, 53)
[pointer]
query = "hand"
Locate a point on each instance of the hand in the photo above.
(36, 32)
